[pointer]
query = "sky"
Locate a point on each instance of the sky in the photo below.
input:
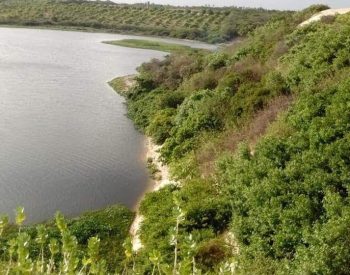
(268, 4)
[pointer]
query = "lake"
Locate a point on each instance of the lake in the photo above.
(66, 143)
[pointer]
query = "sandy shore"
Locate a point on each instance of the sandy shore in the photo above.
(122, 85)
(152, 152)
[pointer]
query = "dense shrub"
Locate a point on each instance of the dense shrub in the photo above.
(61, 246)
(285, 197)
(161, 125)
(195, 115)
(318, 54)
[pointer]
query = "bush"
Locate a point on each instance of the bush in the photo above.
(230, 82)
(211, 254)
(217, 60)
(194, 116)
(286, 187)
(60, 246)
(203, 208)
(161, 125)
(202, 81)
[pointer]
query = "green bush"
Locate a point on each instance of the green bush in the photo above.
(92, 243)
(287, 185)
(196, 114)
(161, 125)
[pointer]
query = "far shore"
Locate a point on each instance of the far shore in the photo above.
(108, 31)
(79, 29)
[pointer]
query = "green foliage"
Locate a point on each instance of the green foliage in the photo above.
(151, 45)
(217, 60)
(91, 243)
(195, 115)
(205, 207)
(196, 23)
(290, 195)
(170, 72)
(230, 83)
(176, 222)
(20, 216)
(157, 208)
(320, 53)
(161, 125)
(285, 197)
(205, 80)
(274, 204)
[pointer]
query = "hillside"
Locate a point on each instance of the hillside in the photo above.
(206, 24)
(257, 137)
(324, 14)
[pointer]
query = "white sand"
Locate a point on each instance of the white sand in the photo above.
(152, 152)
(329, 12)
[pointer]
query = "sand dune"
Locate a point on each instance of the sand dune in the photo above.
(321, 14)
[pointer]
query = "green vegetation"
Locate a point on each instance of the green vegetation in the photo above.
(94, 243)
(123, 84)
(257, 136)
(151, 45)
(153, 169)
(199, 23)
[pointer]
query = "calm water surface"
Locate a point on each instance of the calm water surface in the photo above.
(65, 141)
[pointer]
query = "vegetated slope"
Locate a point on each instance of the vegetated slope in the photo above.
(200, 23)
(258, 137)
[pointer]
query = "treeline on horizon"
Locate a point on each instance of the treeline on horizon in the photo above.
(257, 135)
(213, 25)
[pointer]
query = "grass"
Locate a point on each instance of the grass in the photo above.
(151, 45)
(122, 84)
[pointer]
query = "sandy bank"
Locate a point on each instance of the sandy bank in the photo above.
(123, 85)
(152, 152)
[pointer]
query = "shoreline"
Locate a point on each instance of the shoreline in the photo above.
(140, 35)
(122, 85)
(151, 152)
